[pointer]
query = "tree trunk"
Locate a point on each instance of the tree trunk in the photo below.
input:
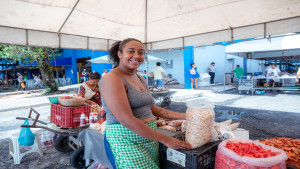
(46, 72)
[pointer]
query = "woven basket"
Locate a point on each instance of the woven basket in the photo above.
(71, 102)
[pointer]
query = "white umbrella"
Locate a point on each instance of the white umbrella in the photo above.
(102, 59)
(149, 58)
(105, 59)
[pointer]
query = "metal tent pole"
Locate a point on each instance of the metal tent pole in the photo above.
(146, 31)
(225, 70)
(147, 78)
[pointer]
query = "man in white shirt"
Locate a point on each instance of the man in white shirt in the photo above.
(211, 69)
(159, 76)
(267, 76)
(273, 74)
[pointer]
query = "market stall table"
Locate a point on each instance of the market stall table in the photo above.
(282, 80)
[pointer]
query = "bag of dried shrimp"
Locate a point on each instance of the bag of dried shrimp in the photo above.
(200, 120)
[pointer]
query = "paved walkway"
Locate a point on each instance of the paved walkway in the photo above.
(29, 98)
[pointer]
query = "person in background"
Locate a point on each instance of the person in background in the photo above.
(273, 73)
(267, 75)
(131, 137)
(25, 77)
(194, 76)
(211, 69)
(159, 76)
(21, 81)
(85, 75)
(90, 89)
(144, 74)
(151, 81)
(37, 81)
(238, 72)
(104, 72)
(298, 74)
(268, 67)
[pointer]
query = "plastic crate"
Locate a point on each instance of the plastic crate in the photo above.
(68, 117)
(198, 158)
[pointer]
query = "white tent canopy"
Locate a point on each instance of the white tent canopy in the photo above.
(279, 43)
(281, 47)
(96, 24)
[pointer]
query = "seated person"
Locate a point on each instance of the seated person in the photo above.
(90, 89)
(273, 73)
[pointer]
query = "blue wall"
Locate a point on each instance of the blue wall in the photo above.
(245, 66)
(74, 54)
(188, 59)
(207, 54)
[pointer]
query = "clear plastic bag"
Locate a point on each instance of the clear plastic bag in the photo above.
(199, 123)
(226, 158)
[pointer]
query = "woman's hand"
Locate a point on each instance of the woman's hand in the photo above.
(175, 144)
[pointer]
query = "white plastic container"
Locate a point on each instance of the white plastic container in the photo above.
(82, 119)
(86, 120)
(44, 140)
(49, 138)
(91, 119)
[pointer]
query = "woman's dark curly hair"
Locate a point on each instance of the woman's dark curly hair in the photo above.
(118, 47)
(94, 76)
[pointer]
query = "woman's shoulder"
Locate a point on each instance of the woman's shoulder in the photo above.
(111, 79)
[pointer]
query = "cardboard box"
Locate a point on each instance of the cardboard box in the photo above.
(241, 133)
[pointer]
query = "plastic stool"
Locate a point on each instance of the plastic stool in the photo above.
(14, 148)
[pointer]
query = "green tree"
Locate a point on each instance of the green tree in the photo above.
(33, 54)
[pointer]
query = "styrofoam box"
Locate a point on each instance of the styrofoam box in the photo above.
(241, 133)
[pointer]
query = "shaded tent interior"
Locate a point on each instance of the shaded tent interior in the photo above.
(160, 24)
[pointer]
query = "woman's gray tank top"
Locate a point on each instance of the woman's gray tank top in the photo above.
(140, 103)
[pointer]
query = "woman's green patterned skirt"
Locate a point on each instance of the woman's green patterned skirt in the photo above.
(131, 150)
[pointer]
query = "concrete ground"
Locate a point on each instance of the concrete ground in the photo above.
(268, 115)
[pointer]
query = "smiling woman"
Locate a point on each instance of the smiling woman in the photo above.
(117, 49)
(131, 135)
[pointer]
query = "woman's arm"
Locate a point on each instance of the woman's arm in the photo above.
(115, 96)
(164, 113)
